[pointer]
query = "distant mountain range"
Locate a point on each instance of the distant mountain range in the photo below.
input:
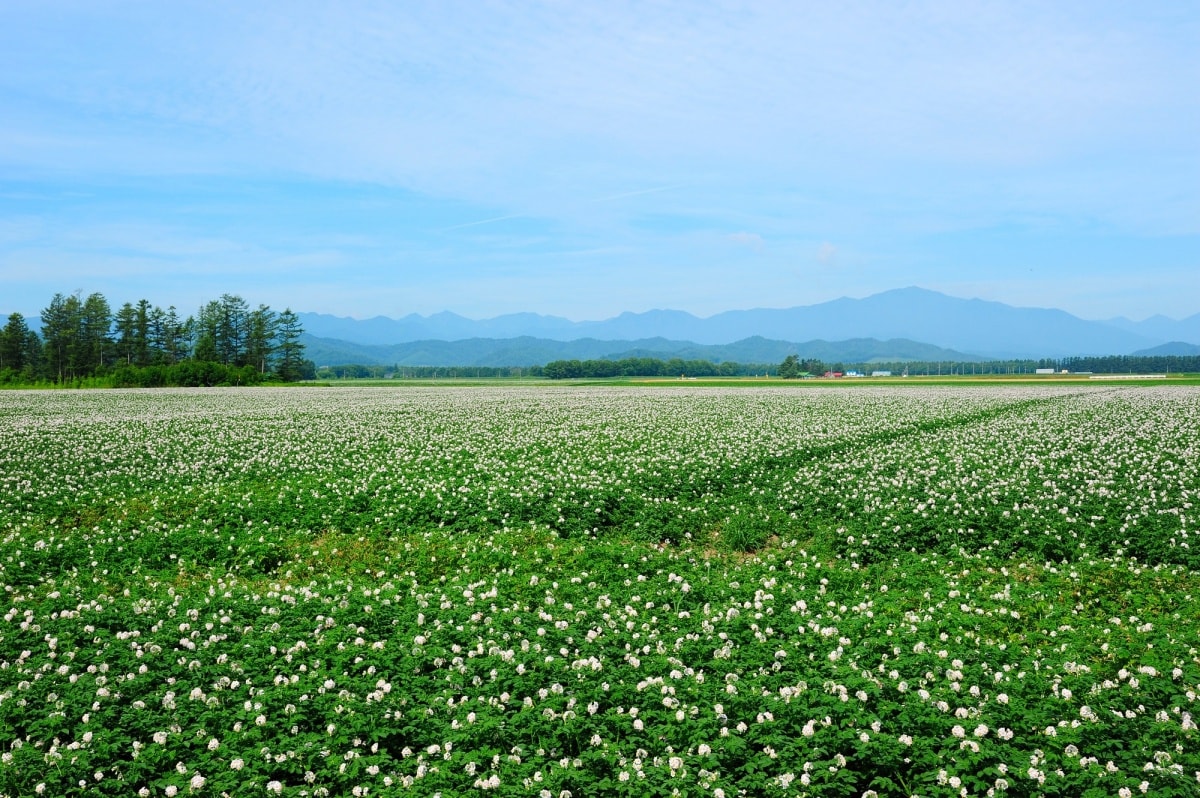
(1171, 349)
(529, 351)
(888, 326)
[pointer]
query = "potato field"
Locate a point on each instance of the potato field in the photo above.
(601, 591)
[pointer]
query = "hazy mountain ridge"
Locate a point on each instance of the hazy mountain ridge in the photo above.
(1162, 327)
(984, 328)
(529, 351)
(1171, 349)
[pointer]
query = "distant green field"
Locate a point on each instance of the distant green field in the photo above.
(947, 380)
(740, 382)
(732, 587)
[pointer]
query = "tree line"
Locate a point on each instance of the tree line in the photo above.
(83, 341)
(793, 367)
(650, 367)
(360, 371)
(1099, 364)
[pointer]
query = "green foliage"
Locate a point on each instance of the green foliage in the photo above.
(145, 346)
(747, 532)
(789, 369)
(509, 591)
(290, 359)
(646, 367)
(186, 374)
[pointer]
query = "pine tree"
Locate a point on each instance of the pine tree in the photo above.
(789, 369)
(94, 334)
(127, 331)
(260, 340)
(141, 351)
(289, 363)
(12, 343)
(60, 329)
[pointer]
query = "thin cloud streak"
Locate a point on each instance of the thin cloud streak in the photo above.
(925, 140)
(480, 222)
(640, 193)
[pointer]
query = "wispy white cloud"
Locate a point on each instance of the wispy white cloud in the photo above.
(639, 193)
(448, 87)
(148, 240)
(479, 222)
(881, 126)
(751, 240)
(827, 254)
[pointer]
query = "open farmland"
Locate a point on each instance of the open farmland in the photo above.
(601, 591)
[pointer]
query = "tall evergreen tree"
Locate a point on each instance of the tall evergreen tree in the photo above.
(260, 340)
(232, 325)
(126, 324)
(789, 369)
(94, 334)
(207, 331)
(178, 339)
(13, 342)
(34, 356)
(289, 364)
(60, 329)
(156, 335)
(141, 349)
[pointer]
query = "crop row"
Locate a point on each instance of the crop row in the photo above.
(178, 479)
(311, 592)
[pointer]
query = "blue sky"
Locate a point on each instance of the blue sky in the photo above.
(586, 158)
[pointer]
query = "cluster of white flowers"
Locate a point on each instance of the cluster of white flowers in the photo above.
(630, 657)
